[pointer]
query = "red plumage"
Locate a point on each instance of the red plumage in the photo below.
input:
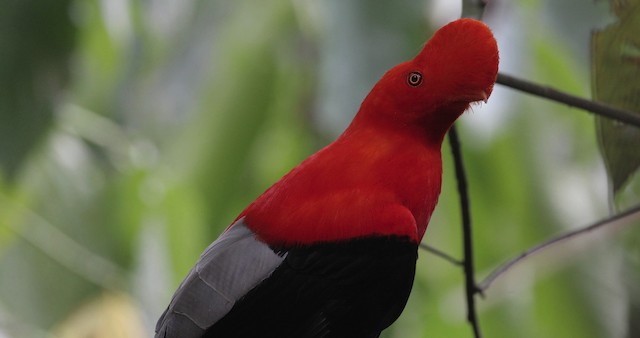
(330, 249)
(383, 175)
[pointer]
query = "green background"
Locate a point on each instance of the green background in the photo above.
(133, 132)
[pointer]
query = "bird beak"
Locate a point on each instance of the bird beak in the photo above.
(480, 96)
(485, 97)
(474, 97)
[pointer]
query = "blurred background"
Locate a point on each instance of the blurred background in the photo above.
(133, 132)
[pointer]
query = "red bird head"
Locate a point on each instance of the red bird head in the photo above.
(458, 66)
(383, 175)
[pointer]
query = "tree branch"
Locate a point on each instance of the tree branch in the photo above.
(437, 252)
(622, 218)
(473, 8)
(469, 273)
(598, 108)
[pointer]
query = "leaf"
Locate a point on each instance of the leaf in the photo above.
(36, 41)
(616, 70)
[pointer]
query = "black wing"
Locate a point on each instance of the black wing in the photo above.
(227, 270)
(353, 289)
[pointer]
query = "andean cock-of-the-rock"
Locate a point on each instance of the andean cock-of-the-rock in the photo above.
(330, 249)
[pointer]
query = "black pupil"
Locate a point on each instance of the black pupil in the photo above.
(415, 79)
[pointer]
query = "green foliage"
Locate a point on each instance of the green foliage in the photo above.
(33, 70)
(133, 133)
(616, 68)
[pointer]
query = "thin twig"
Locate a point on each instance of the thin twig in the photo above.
(437, 252)
(598, 108)
(622, 218)
(469, 273)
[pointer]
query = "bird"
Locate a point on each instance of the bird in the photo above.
(330, 249)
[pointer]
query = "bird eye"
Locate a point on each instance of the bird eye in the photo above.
(414, 79)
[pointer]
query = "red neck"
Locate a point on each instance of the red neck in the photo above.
(373, 180)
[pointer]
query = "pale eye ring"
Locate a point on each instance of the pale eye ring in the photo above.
(414, 79)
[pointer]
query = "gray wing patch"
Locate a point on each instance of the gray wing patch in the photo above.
(231, 266)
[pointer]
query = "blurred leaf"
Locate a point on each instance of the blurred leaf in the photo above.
(36, 41)
(616, 70)
(57, 212)
(616, 74)
(236, 106)
(98, 59)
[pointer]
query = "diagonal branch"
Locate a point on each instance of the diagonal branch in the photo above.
(622, 218)
(439, 253)
(469, 273)
(598, 108)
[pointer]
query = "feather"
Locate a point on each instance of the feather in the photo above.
(231, 266)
